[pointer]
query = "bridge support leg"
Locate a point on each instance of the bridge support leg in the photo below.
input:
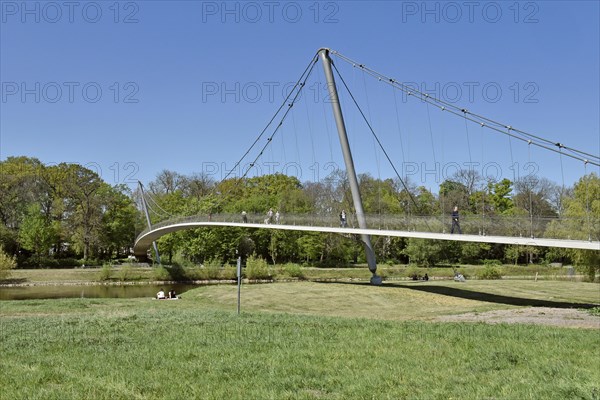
(145, 207)
(341, 127)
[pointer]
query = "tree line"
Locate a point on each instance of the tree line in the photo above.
(67, 212)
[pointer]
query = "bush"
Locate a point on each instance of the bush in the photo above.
(213, 268)
(257, 268)
(489, 272)
(7, 262)
(126, 273)
(48, 262)
(161, 274)
(412, 271)
(293, 270)
(105, 273)
(229, 272)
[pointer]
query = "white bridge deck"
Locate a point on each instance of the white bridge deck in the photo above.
(144, 240)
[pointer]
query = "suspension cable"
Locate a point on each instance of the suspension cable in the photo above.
(487, 122)
(562, 175)
(298, 85)
(377, 160)
(530, 194)
(587, 201)
(376, 138)
(295, 91)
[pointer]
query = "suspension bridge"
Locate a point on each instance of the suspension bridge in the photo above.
(526, 230)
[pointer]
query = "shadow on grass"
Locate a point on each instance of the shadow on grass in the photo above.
(12, 281)
(474, 295)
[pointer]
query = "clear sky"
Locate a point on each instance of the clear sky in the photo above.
(130, 88)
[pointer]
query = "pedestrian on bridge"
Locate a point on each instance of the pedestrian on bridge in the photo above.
(277, 216)
(343, 219)
(244, 217)
(269, 218)
(455, 223)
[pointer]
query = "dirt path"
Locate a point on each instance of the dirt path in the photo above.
(563, 317)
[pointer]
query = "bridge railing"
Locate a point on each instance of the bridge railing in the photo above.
(491, 225)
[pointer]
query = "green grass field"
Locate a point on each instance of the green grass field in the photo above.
(301, 340)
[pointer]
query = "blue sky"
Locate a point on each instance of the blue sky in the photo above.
(131, 88)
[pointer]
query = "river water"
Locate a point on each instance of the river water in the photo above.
(89, 291)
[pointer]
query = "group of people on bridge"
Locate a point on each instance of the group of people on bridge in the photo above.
(274, 217)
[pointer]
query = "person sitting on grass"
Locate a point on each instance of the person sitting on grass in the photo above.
(160, 295)
(172, 294)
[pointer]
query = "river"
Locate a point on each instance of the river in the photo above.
(89, 291)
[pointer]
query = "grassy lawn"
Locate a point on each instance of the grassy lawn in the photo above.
(300, 340)
(398, 301)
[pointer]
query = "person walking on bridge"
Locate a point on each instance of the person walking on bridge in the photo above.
(269, 218)
(343, 219)
(455, 223)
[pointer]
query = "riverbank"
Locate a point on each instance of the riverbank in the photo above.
(140, 275)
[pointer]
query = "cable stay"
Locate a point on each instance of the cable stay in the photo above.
(295, 89)
(499, 127)
(287, 104)
(166, 213)
(376, 138)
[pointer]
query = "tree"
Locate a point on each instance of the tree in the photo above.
(581, 220)
(37, 233)
(453, 194)
(7, 262)
(311, 246)
(424, 252)
(500, 196)
(167, 182)
(20, 186)
(118, 220)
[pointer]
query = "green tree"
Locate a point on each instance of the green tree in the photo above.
(311, 246)
(7, 262)
(500, 196)
(581, 220)
(424, 252)
(37, 233)
(119, 220)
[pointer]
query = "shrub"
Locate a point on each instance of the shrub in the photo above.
(213, 268)
(489, 272)
(161, 274)
(125, 273)
(257, 268)
(229, 272)
(7, 262)
(412, 271)
(293, 270)
(105, 273)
